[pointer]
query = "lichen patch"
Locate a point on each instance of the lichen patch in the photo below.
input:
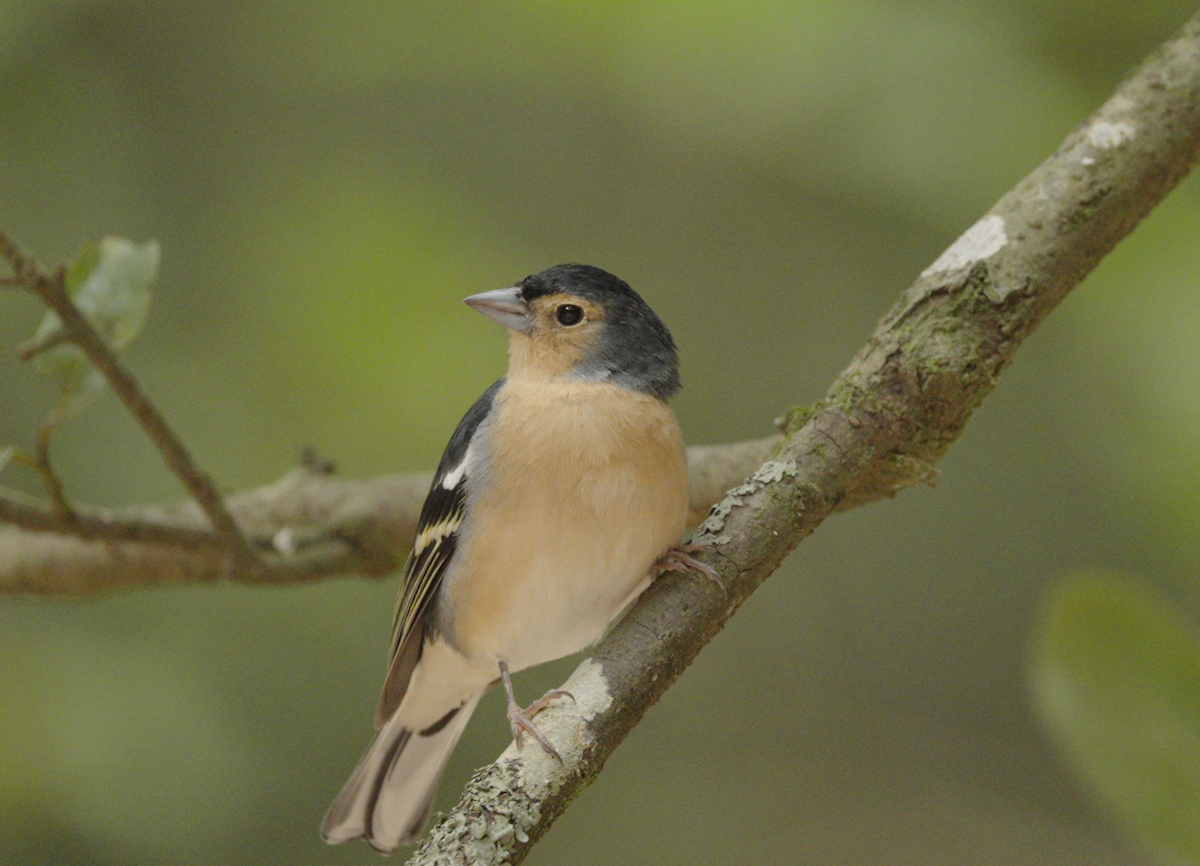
(710, 531)
(980, 241)
(1105, 135)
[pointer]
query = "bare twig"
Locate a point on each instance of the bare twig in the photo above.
(50, 479)
(886, 420)
(31, 348)
(27, 514)
(53, 292)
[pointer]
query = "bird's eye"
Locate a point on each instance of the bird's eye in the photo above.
(568, 314)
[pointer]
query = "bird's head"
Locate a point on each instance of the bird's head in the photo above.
(577, 321)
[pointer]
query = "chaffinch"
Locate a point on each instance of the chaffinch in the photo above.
(561, 489)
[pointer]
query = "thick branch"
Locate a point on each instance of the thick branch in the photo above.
(884, 423)
(308, 525)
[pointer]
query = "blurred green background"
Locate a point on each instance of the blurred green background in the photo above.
(327, 182)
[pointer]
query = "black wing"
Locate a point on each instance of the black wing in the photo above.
(437, 537)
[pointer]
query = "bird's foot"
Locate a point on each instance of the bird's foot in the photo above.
(680, 559)
(521, 720)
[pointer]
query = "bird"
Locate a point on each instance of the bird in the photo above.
(561, 494)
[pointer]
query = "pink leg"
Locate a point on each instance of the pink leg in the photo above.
(521, 720)
(678, 559)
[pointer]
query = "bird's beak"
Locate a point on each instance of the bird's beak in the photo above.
(505, 307)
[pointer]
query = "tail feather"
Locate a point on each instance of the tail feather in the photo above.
(389, 795)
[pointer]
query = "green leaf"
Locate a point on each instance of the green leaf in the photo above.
(82, 265)
(5, 455)
(109, 282)
(1116, 679)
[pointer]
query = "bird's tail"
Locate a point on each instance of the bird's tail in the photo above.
(389, 795)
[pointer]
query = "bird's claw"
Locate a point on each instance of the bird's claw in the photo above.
(521, 720)
(679, 559)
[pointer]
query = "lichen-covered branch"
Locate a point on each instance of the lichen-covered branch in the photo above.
(308, 525)
(885, 422)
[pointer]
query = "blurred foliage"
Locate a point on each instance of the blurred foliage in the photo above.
(109, 282)
(328, 180)
(1116, 677)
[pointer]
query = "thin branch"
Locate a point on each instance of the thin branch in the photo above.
(53, 292)
(107, 526)
(50, 480)
(306, 526)
(31, 348)
(886, 420)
